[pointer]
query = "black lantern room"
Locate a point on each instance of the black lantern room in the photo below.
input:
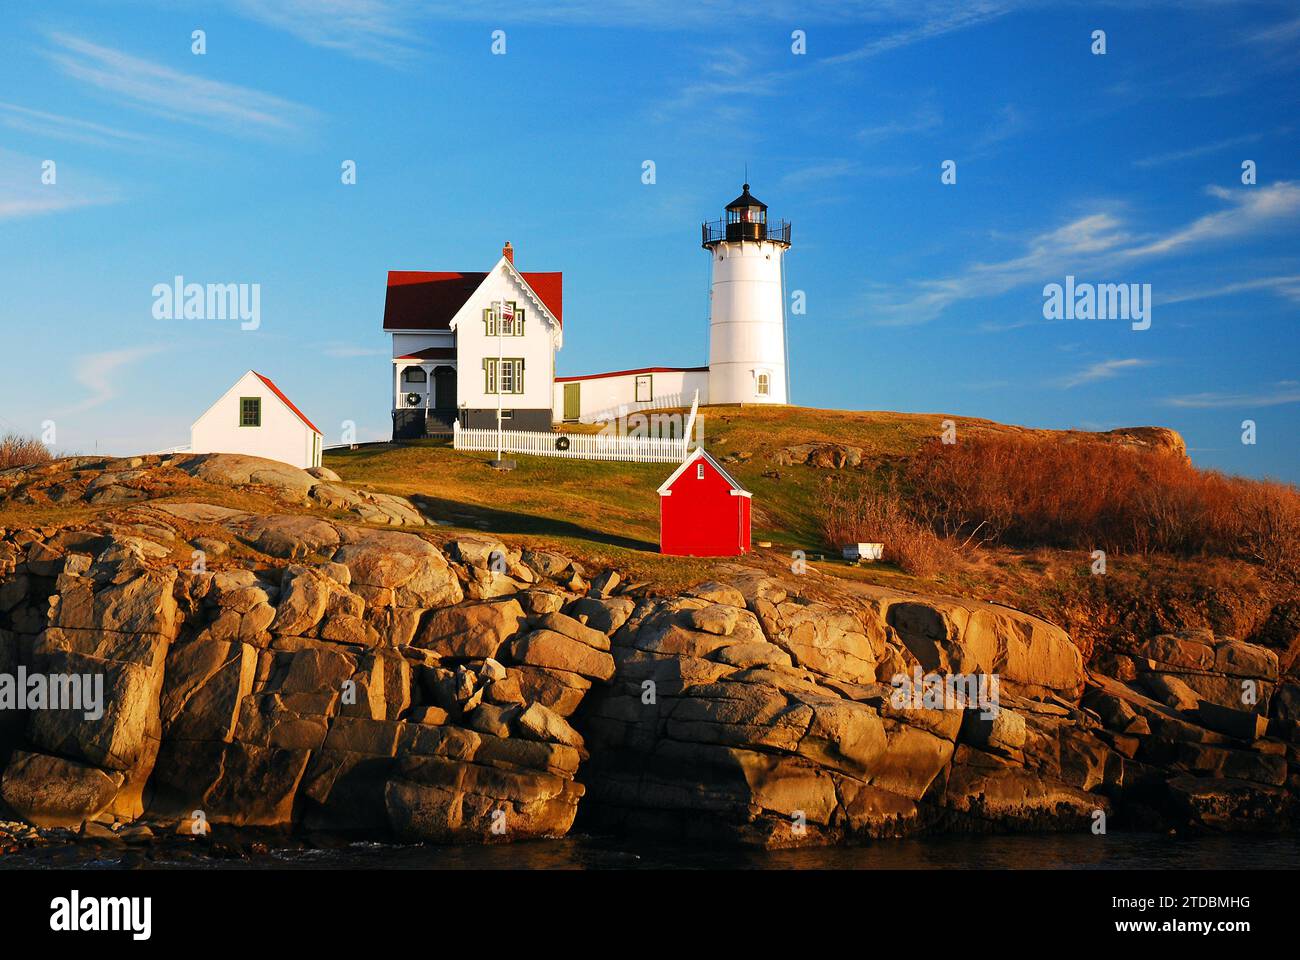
(746, 219)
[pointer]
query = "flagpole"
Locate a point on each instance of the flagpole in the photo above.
(501, 306)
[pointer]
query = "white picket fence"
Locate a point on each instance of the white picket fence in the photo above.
(580, 446)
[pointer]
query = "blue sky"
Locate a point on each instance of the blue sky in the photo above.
(921, 296)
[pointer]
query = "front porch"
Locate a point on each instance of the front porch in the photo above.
(424, 397)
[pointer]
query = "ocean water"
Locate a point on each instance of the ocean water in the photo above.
(1118, 851)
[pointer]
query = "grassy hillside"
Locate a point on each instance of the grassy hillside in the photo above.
(608, 513)
(607, 504)
(614, 504)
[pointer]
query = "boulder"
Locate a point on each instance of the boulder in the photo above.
(539, 723)
(546, 648)
(574, 630)
(237, 469)
(203, 688)
(606, 614)
(287, 537)
(55, 792)
(471, 630)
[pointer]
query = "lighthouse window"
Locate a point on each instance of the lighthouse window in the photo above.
(764, 384)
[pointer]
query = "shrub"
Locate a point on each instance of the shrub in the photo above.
(853, 513)
(16, 451)
(1087, 496)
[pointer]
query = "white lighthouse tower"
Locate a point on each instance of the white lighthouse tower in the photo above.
(747, 304)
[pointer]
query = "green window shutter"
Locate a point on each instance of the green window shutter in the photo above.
(519, 323)
(489, 322)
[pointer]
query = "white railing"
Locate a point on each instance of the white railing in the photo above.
(577, 446)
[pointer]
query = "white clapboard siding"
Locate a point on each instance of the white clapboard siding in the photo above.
(582, 446)
(672, 401)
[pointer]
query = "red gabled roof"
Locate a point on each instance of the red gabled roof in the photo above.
(424, 300)
(628, 373)
(699, 453)
(550, 288)
(287, 402)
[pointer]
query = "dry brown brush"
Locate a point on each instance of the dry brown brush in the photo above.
(16, 451)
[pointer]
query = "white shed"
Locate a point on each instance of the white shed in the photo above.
(254, 417)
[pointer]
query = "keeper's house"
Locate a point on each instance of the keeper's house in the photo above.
(254, 417)
(448, 361)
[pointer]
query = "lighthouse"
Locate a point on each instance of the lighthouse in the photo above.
(747, 304)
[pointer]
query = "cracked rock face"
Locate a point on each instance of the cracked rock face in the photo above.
(295, 671)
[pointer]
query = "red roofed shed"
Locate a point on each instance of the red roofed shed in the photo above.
(703, 511)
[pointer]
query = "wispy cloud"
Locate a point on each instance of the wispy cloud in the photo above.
(948, 20)
(366, 29)
(23, 194)
(724, 90)
(1046, 254)
(1008, 122)
(1282, 392)
(1161, 159)
(1102, 370)
(1277, 44)
(349, 351)
(1249, 209)
(66, 128)
(173, 94)
(1094, 243)
(100, 374)
(926, 118)
(385, 19)
(1287, 286)
(820, 172)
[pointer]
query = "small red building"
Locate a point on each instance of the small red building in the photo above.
(703, 511)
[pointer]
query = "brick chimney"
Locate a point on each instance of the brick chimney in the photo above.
(508, 252)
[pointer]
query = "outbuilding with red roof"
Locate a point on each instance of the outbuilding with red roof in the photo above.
(703, 511)
(254, 417)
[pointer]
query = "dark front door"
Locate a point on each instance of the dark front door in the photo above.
(444, 389)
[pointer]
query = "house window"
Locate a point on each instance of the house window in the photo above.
(509, 328)
(250, 411)
(511, 375)
(699, 471)
(414, 375)
(764, 384)
(507, 414)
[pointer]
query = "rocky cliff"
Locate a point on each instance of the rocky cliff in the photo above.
(309, 670)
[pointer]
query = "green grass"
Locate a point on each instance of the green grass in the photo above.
(609, 511)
